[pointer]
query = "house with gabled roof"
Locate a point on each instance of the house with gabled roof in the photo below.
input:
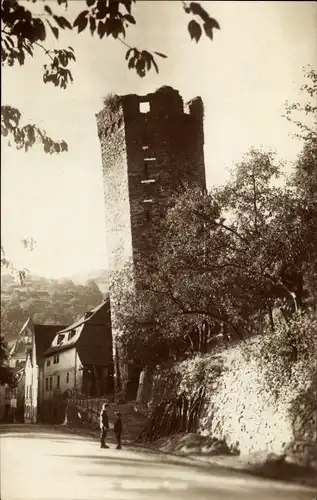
(79, 360)
(36, 339)
(18, 351)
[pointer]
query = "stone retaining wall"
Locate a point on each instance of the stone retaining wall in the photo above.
(241, 410)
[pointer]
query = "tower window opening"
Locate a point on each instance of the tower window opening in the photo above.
(146, 170)
(144, 107)
(148, 181)
(148, 215)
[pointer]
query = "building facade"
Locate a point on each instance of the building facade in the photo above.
(40, 338)
(152, 147)
(12, 396)
(78, 361)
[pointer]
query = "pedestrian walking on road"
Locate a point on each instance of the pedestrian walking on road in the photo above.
(118, 429)
(104, 425)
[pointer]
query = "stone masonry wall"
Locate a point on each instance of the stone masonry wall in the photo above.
(164, 150)
(251, 418)
(111, 131)
(241, 410)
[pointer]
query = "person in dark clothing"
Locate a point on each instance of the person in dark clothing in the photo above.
(104, 425)
(118, 429)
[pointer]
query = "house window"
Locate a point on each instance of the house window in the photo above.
(46, 384)
(51, 383)
(48, 362)
(67, 378)
(7, 393)
(56, 359)
(58, 381)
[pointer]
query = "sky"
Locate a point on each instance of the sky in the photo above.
(244, 76)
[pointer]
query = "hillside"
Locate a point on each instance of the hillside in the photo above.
(99, 276)
(47, 301)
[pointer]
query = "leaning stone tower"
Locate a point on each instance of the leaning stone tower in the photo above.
(151, 146)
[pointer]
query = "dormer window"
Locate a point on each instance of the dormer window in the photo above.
(60, 338)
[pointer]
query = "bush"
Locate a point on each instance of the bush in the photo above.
(282, 355)
(112, 102)
(186, 377)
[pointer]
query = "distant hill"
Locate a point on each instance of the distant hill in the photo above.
(99, 276)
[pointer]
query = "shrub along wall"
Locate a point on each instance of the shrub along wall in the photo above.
(260, 395)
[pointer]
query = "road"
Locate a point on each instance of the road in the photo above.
(38, 463)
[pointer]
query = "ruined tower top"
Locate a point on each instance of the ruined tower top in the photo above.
(164, 102)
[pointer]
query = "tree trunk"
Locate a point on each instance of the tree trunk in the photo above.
(271, 318)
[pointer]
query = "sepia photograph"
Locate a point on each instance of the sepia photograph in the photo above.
(158, 250)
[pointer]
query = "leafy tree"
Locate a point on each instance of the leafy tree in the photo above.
(23, 32)
(306, 128)
(6, 376)
(28, 243)
(262, 214)
(224, 260)
(303, 182)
